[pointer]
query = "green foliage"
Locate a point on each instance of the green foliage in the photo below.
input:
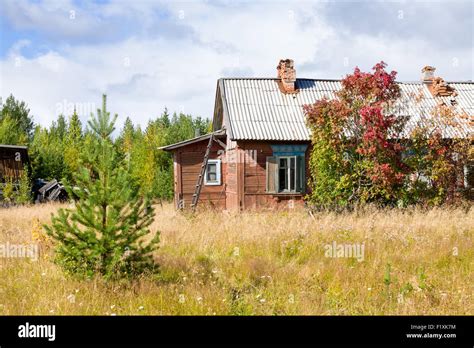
(330, 179)
(47, 154)
(292, 248)
(73, 142)
(436, 164)
(354, 160)
(152, 169)
(9, 132)
(105, 232)
(8, 190)
(24, 188)
(56, 151)
(387, 278)
(21, 123)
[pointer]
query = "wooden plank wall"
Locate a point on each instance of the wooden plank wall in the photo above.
(189, 160)
(9, 166)
(243, 177)
(255, 196)
(232, 194)
(177, 179)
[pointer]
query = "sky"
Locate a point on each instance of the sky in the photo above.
(148, 55)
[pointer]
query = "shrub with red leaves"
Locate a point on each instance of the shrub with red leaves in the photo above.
(356, 155)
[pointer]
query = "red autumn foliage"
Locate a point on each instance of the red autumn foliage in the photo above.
(375, 127)
(378, 85)
(359, 116)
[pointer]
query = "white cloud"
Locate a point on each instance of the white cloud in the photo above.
(56, 18)
(146, 72)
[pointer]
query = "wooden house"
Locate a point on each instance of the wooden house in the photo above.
(260, 145)
(13, 160)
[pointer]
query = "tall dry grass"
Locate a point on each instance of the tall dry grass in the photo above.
(415, 262)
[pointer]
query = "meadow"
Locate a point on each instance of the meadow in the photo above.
(415, 262)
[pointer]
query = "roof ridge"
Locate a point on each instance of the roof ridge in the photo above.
(274, 78)
(331, 80)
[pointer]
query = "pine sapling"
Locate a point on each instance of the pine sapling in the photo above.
(107, 230)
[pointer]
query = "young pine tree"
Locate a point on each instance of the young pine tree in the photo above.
(104, 232)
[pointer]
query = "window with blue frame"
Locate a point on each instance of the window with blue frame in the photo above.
(286, 169)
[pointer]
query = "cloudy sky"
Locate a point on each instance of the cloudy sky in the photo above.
(146, 55)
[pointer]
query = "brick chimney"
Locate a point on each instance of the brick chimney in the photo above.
(427, 74)
(287, 75)
(436, 85)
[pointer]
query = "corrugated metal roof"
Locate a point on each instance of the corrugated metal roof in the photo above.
(218, 133)
(14, 146)
(258, 110)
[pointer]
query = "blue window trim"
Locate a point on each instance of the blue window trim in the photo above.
(289, 150)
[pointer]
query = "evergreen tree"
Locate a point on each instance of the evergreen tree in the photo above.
(73, 145)
(19, 113)
(10, 134)
(126, 140)
(47, 154)
(103, 234)
(164, 119)
(59, 128)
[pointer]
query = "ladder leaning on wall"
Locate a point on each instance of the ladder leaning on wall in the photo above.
(197, 191)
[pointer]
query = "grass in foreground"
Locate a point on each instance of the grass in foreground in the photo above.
(272, 263)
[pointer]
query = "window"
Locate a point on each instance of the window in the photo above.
(286, 174)
(213, 173)
(285, 170)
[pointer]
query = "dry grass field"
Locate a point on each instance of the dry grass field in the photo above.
(266, 263)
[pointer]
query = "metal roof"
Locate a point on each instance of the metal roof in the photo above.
(256, 109)
(218, 133)
(14, 146)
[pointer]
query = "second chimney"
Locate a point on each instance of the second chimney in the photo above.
(287, 75)
(436, 85)
(427, 74)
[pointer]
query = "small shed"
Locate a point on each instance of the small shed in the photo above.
(13, 160)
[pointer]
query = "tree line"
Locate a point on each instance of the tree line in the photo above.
(57, 151)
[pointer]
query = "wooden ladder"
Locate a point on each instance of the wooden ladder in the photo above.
(197, 191)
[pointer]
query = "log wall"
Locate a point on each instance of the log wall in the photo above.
(188, 161)
(12, 161)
